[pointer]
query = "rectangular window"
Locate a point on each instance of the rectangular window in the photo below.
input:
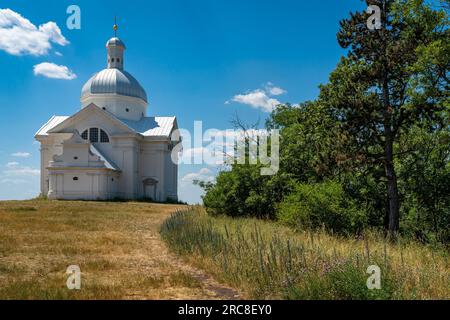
(93, 135)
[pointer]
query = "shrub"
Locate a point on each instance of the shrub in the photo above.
(243, 191)
(312, 206)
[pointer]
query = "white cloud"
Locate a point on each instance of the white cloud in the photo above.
(21, 154)
(16, 175)
(53, 71)
(276, 91)
(12, 164)
(18, 36)
(203, 174)
(257, 99)
(260, 98)
(12, 181)
(205, 171)
(17, 170)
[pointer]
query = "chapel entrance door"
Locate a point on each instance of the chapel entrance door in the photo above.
(150, 186)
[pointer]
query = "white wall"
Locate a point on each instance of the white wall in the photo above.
(138, 158)
(91, 185)
(118, 104)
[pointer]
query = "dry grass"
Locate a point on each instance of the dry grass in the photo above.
(116, 245)
(267, 260)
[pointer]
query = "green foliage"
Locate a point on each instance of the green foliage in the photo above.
(321, 205)
(346, 282)
(425, 177)
(379, 129)
(243, 191)
(390, 79)
(309, 141)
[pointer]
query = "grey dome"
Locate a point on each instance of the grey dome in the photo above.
(115, 42)
(114, 81)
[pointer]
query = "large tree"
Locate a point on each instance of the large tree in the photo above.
(392, 77)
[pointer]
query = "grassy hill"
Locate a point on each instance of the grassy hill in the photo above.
(120, 249)
(267, 260)
(116, 245)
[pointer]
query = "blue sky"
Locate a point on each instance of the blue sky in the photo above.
(198, 60)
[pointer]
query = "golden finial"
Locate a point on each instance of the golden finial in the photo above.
(115, 27)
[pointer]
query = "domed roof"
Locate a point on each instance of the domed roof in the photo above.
(115, 42)
(114, 81)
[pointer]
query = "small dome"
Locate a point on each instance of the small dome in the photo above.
(115, 42)
(114, 81)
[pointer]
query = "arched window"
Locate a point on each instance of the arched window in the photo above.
(95, 135)
(103, 137)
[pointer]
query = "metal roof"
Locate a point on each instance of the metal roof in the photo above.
(114, 81)
(147, 126)
(152, 126)
(115, 42)
(108, 164)
(53, 122)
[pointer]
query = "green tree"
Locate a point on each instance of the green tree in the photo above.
(310, 141)
(424, 175)
(386, 83)
(243, 191)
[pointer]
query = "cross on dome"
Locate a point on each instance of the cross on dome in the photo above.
(113, 89)
(116, 48)
(115, 27)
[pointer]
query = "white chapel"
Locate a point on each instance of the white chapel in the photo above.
(109, 149)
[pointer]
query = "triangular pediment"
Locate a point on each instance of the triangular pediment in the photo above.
(89, 113)
(75, 139)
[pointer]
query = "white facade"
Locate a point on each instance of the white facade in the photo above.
(109, 149)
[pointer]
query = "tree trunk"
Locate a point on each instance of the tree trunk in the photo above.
(392, 191)
(392, 188)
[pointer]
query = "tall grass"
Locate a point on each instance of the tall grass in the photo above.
(269, 261)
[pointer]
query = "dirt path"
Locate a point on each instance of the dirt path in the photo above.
(196, 284)
(116, 245)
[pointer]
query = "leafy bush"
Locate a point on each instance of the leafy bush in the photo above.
(313, 206)
(243, 191)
